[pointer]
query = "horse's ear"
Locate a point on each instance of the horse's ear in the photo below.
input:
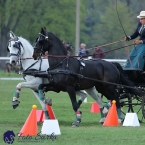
(12, 35)
(43, 30)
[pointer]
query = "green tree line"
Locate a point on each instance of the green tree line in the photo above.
(99, 22)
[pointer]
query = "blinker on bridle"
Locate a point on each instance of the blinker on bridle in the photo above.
(46, 37)
(17, 45)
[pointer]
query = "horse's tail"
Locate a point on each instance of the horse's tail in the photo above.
(125, 81)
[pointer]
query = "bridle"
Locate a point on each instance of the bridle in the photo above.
(40, 50)
(18, 46)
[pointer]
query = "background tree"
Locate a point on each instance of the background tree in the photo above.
(25, 18)
(106, 28)
(99, 23)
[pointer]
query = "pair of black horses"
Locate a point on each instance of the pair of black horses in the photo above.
(70, 74)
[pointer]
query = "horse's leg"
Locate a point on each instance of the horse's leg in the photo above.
(113, 95)
(34, 84)
(82, 95)
(120, 117)
(31, 82)
(93, 93)
(15, 101)
(42, 102)
(42, 98)
(72, 95)
(103, 110)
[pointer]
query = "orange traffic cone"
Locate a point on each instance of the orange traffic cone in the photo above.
(50, 112)
(95, 108)
(112, 117)
(43, 117)
(30, 126)
(39, 114)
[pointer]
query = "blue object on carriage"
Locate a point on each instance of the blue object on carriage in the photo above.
(137, 59)
(130, 69)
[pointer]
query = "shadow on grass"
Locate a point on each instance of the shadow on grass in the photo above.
(69, 123)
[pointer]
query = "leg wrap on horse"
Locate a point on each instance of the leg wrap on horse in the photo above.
(120, 118)
(15, 102)
(41, 95)
(101, 113)
(43, 105)
(120, 114)
(42, 98)
(107, 104)
(16, 94)
(46, 115)
(102, 116)
(78, 116)
(78, 119)
(47, 101)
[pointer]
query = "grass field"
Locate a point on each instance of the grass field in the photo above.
(90, 131)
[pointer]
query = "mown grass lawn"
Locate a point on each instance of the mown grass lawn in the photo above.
(90, 131)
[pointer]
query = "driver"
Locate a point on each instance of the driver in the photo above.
(137, 55)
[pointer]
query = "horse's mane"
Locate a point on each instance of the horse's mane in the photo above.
(59, 42)
(27, 44)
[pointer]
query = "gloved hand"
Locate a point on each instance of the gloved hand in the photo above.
(137, 41)
(127, 38)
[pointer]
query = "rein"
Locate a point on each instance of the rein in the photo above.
(107, 44)
(62, 56)
(67, 56)
(67, 72)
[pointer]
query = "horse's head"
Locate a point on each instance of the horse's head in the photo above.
(47, 41)
(42, 43)
(15, 48)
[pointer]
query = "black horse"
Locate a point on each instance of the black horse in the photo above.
(70, 74)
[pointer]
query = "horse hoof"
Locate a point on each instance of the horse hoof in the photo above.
(120, 121)
(102, 120)
(15, 104)
(48, 101)
(75, 124)
(105, 111)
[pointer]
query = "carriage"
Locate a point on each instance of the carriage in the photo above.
(131, 96)
(131, 102)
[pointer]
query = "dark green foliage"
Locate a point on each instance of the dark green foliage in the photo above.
(98, 19)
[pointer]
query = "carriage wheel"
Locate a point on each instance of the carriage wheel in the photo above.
(143, 106)
(134, 106)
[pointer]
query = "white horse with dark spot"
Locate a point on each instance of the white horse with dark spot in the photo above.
(21, 52)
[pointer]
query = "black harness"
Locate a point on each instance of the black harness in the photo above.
(55, 70)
